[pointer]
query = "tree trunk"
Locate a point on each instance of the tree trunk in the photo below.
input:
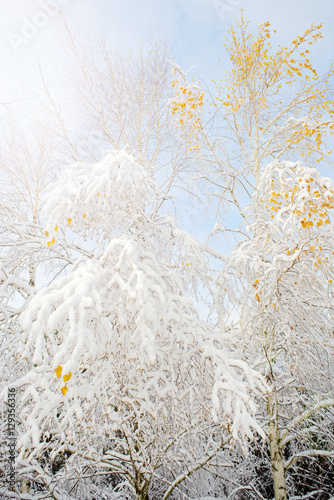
(276, 452)
(25, 486)
(141, 495)
(141, 487)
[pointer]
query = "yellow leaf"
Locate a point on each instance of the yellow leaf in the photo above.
(67, 377)
(64, 390)
(46, 233)
(53, 241)
(58, 371)
(56, 228)
(48, 243)
(69, 220)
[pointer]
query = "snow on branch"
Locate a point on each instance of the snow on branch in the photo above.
(120, 359)
(111, 194)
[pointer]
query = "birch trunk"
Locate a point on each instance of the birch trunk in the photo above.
(276, 452)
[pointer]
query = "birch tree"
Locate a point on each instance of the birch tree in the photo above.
(259, 142)
(119, 99)
(124, 377)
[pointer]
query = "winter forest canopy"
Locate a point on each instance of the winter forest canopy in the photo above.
(146, 364)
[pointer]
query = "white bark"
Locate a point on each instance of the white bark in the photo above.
(275, 445)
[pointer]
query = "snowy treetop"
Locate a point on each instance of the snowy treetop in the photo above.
(111, 194)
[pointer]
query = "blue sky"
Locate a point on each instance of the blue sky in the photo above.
(195, 28)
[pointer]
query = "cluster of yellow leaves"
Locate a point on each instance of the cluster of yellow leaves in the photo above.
(254, 63)
(282, 83)
(51, 241)
(313, 133)
(186, 106)
(314, 250)
(258, 294)
(66, 378)
(52, 237)
(312, 202)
